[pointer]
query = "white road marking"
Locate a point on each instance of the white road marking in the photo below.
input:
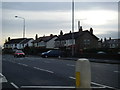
(48, 87)
(14, 85)
(72, 77)
(101, 85)
(116, 71)
(104, 86)
(1, 74)
(22, 64)
(19, 63)
(2, 78)
(43, 70)
(70, 65)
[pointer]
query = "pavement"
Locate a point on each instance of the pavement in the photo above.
(109, 61)
(96, 60)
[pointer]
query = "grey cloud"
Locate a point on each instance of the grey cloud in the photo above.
(96, 5)
(37, 6)
(58, 6)
(12, 26)
(113, 34)
(46, 25)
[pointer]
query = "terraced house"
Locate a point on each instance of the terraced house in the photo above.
(18, 43)
(46, 42)
(82, 40)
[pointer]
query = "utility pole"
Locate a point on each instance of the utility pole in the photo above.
(72, 27)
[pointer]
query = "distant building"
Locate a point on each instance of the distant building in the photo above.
(45, 42)
(82, 40)
(18, 43)
(26, 42)
(111, 43)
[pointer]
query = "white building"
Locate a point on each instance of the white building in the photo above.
(18, 43)
(45, 42)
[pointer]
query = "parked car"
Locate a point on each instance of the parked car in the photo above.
(53, 53)
(19, 53)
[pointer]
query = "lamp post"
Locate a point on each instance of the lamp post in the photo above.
(23, 25)
(72, 27)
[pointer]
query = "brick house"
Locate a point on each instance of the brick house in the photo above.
(82, 40)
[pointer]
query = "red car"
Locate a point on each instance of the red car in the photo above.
(19, 53)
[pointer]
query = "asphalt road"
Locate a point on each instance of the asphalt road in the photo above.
(37, 71)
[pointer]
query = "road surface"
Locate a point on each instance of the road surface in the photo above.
(36, 71)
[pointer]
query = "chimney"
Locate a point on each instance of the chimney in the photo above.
(105, 39)
(80, 29)
(78, 25)
(101, 40)
(36, 37)
(51, 35)
(91, 30)
(61, 32)
(9, 39)
(109, 38)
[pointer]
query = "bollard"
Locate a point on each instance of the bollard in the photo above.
(83, 73)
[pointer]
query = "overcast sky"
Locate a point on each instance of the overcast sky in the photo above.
(45, 18)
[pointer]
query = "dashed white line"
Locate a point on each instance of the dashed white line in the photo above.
(70, 65)
(116, 71)
(22, 64)
(14, 85)
(43, 70)
(36, 68)
(72, 77)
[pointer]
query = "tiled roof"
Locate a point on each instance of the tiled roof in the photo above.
(18, 40)
(26, 40)
(15, 41)
(76, 35)
(44, 38)
(112, 41)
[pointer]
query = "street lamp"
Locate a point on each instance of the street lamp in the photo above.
(23, 25)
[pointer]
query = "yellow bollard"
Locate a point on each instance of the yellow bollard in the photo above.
(83, 73)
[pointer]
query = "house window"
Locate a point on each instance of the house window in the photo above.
(86, 41)
(113, 45)
(6, 46)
